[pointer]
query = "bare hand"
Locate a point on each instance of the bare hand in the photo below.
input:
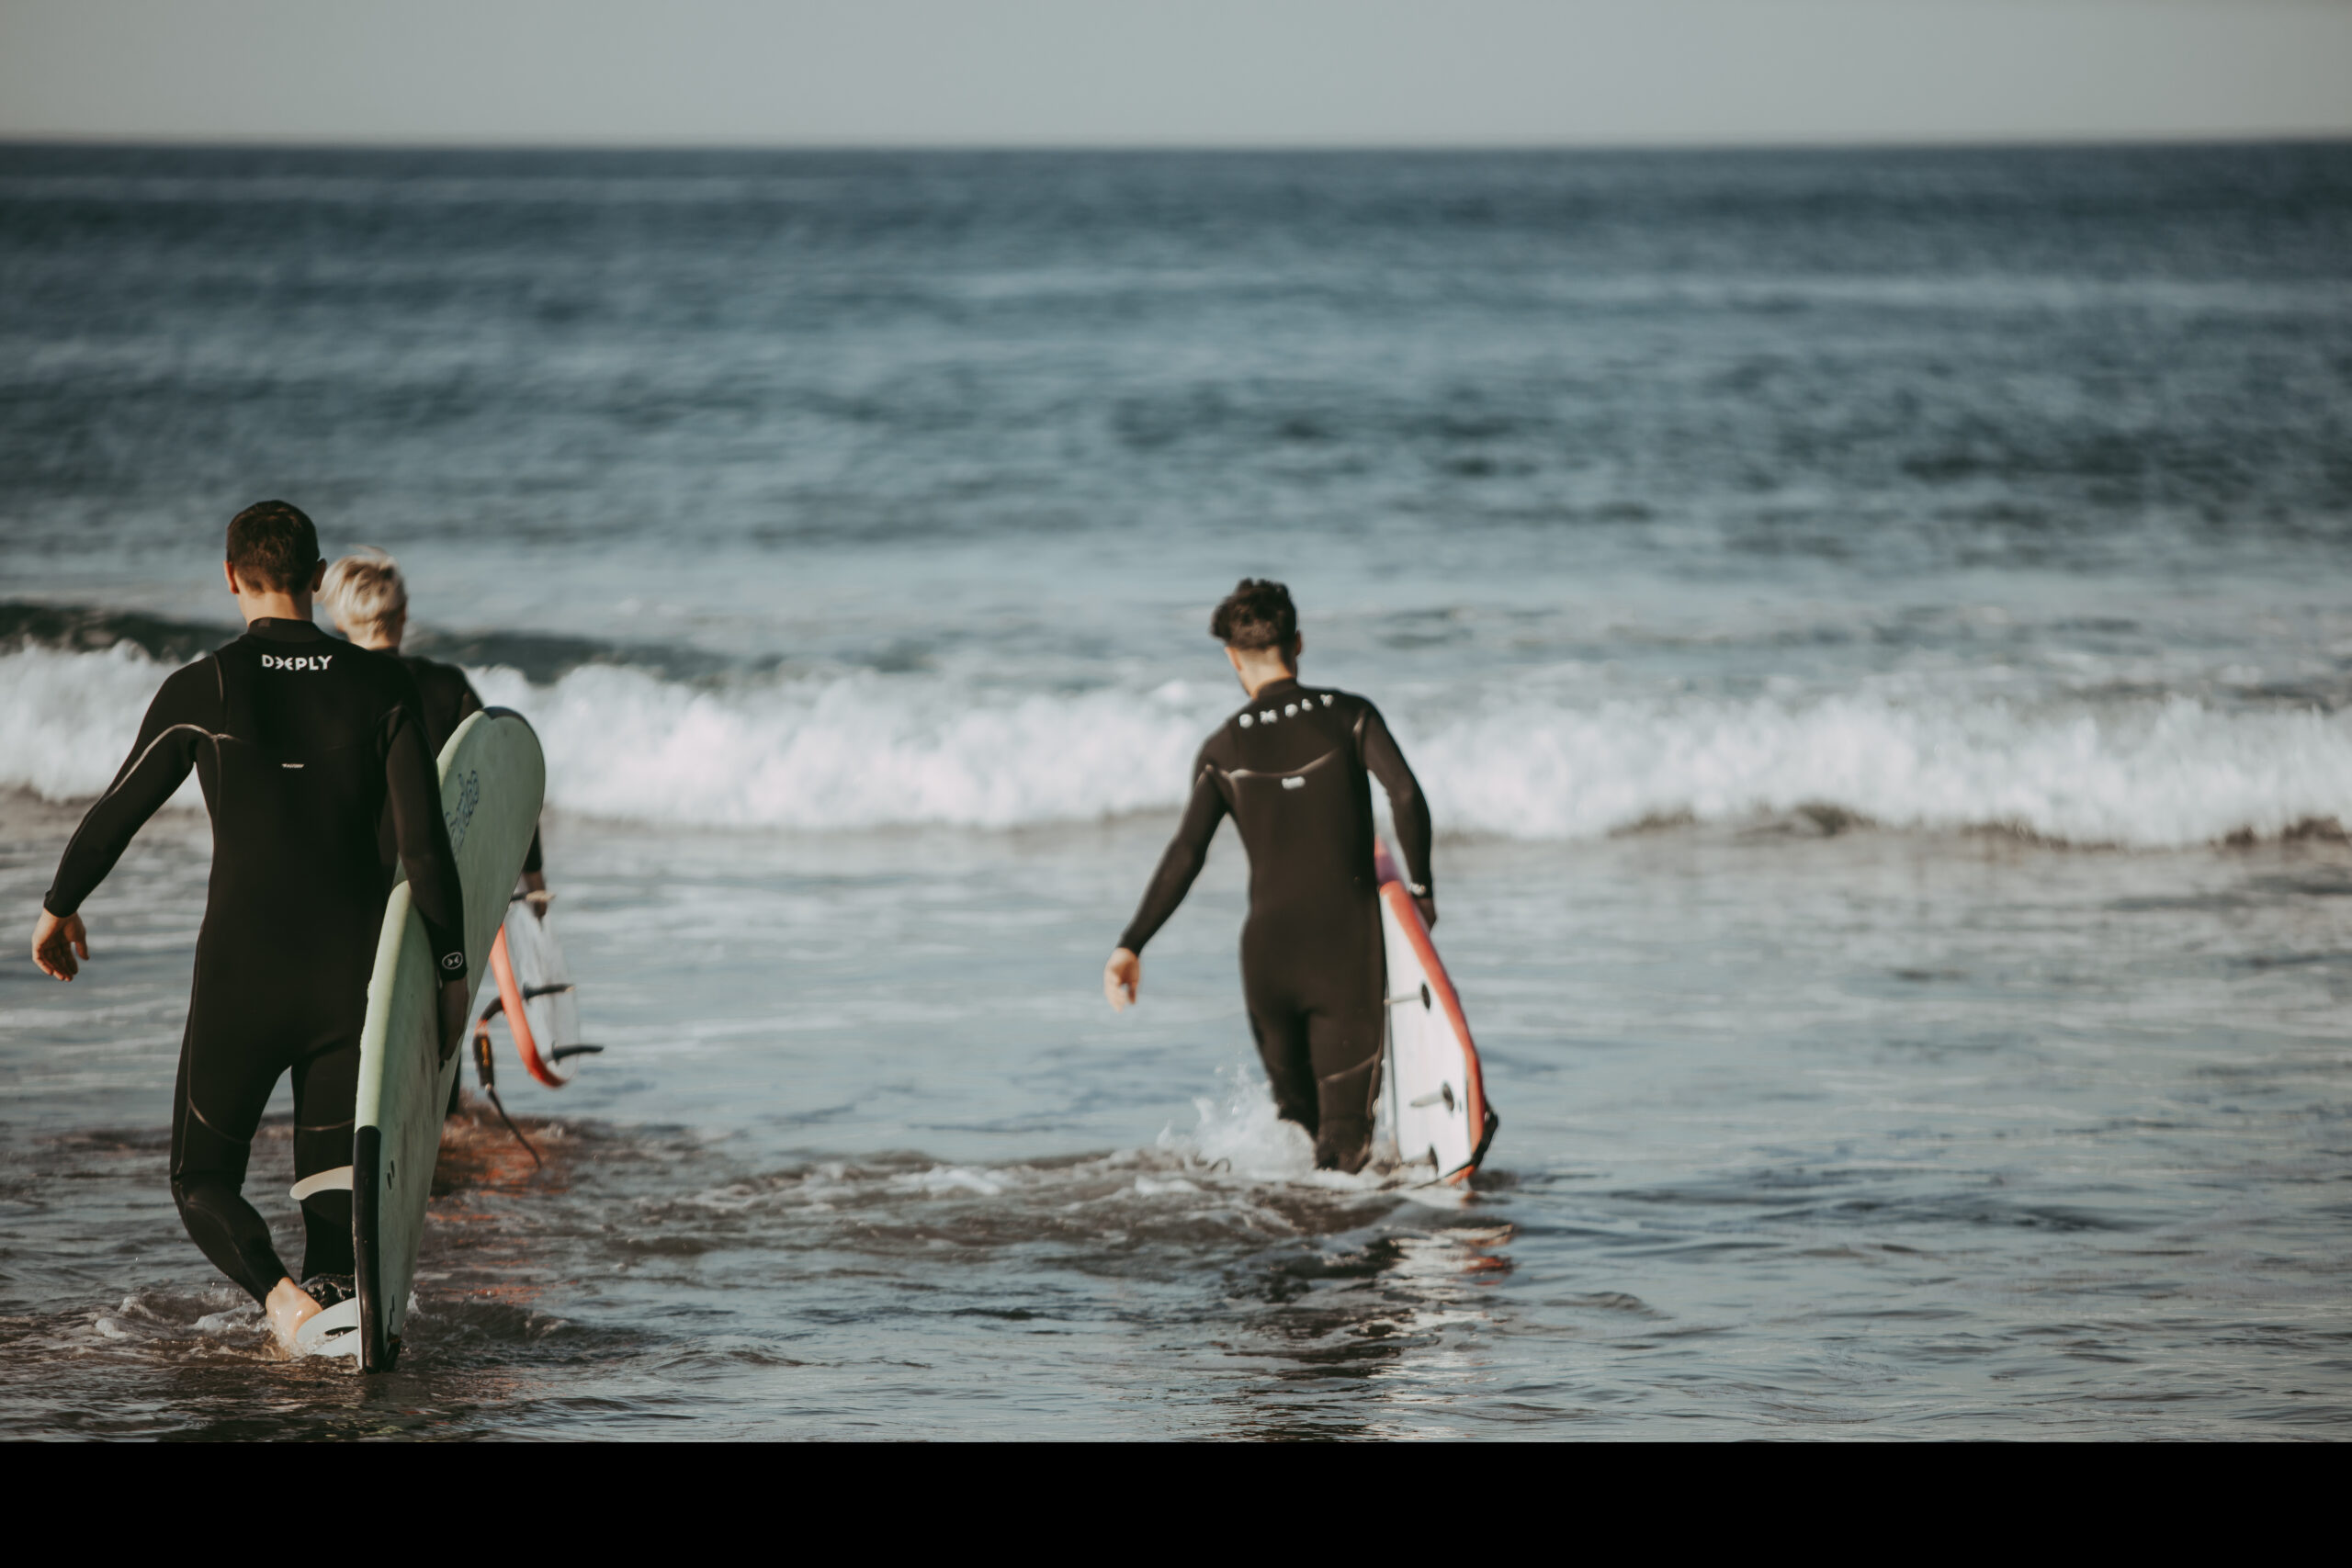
(456, 1001)
(56, 941)
(1427, 904)
(1121, 978)
(536, 894)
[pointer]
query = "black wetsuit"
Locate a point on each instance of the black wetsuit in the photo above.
(300, 743)
(1291, 768)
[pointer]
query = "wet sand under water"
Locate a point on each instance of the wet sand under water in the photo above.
(1805, 1134)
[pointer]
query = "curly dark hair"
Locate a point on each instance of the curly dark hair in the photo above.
(1257, 615)
(273, 546)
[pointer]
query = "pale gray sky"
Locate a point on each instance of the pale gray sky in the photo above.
(1203, 73)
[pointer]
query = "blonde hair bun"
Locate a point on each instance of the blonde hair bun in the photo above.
(365, 590)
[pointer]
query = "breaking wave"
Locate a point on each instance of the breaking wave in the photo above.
(864, 750)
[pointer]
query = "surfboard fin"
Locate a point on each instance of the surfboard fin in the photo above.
(561, 1053)
(335, 1332)
(335, 1181)
(1485, 1137)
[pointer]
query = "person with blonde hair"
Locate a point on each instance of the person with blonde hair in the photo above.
(366, 597)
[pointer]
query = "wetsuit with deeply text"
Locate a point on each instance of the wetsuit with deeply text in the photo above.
(1292, 769)
(301, 744)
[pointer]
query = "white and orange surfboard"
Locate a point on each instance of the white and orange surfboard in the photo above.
(1434, 1094)
(536, 996)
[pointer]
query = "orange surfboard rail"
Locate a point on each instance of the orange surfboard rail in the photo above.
(1399, 899)
(518, 1023)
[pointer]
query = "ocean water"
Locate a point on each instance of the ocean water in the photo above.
(1871, 627)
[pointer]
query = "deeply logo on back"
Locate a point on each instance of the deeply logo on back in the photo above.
(454, 961)
(296, 662)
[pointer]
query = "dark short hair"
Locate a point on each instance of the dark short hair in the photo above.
(273, 546)
(1256, 614)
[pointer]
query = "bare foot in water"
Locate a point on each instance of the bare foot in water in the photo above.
(289, 1307)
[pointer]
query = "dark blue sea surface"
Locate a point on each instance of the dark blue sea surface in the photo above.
(1904, 361)
(1872, 628)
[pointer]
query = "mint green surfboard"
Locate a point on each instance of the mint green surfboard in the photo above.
(492, 781)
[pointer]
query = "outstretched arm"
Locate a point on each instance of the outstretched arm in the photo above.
(1386, 761)
(158, 762)
(1187, 852)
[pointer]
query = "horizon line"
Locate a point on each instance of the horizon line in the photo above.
(2023, 141)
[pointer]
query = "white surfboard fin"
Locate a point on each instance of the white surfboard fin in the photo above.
(335, 1332)
(335, 1181)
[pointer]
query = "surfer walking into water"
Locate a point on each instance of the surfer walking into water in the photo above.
(367, 598)
(1292, 767)
(303, 745)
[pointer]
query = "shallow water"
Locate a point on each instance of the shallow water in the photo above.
(1871, 627)
(1866, 1136)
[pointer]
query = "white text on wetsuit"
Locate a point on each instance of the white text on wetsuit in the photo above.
(298, 661)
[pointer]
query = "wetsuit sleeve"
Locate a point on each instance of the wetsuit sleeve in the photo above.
(412, 784)
(1187, 852)
(158, 762)
(1386, 761)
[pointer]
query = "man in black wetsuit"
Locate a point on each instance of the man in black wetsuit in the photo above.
(1290, 767)
(301, 744)
(367, 598)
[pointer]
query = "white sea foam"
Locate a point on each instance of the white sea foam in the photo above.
(2145, 773)
(867, 750)
(849, 751)
(1239, 1133)
(66, 719)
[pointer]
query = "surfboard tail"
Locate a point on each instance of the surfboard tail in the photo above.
(1407, 913)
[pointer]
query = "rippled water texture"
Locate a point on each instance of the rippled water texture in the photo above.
(1871, 627)
(1866, 1135)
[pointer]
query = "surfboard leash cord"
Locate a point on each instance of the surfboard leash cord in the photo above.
(489, 1084)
